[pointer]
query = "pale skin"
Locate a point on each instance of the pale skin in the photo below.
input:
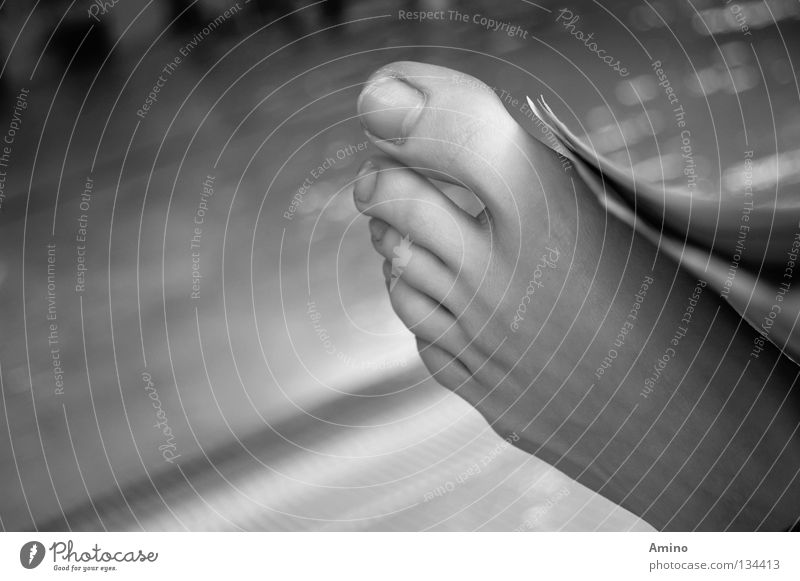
(712, 446)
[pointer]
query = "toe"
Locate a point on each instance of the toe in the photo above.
(427, 319)
(413, 206)
(444, 367)
(455, 128)
(417, 266)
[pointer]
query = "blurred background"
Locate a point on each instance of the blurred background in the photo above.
(195, 331)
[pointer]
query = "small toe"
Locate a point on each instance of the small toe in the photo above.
(416, 208)
(415, 265)
(427, 319)
(443, 366)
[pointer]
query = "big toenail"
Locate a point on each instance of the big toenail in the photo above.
(389, 108)
(377, 228)
(365, 182)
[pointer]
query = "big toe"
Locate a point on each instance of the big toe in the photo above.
(451, 126)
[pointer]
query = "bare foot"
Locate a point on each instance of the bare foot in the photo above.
(515, 309)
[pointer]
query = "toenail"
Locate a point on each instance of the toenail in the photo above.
(389, 108)
(365, 182)
(377, 228)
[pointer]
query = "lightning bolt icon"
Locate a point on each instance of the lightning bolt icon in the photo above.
(402, 257)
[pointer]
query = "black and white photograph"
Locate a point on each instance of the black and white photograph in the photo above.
(399, 266)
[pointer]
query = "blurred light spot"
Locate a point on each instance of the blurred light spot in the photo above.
(645, 18)
(704, 82)
(705, 186)
(710, 80)
(733, 54)
(598, 117)
(702, 166)
(623, 159)
(741, 79)
(767, 172)
(744, 16)
(781, 71)
(654, 169)
(651, 122)
(642, 88)
(613, 136)
(608, 138)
